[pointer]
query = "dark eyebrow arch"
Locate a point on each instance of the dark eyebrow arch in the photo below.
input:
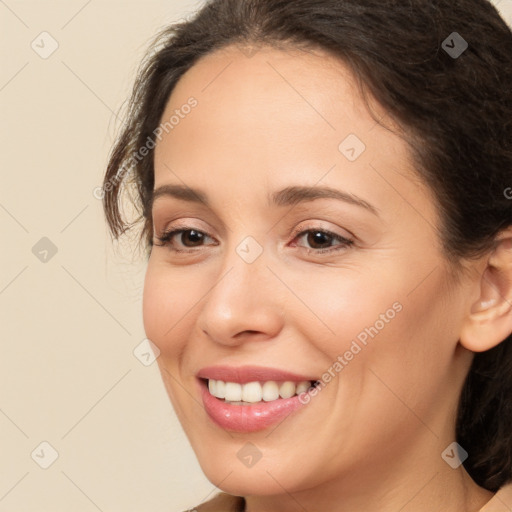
(289, 196)
(179, 192)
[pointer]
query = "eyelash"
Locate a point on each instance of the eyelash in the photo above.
(166, 238)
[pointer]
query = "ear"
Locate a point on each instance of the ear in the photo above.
(489, 320)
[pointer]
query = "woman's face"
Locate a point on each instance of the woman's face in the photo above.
(347, 286)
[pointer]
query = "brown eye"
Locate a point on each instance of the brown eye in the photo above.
(194, 236)
(189, 239)
(316, 238)
(320, 240)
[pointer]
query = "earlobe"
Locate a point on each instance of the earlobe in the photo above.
(489, 320)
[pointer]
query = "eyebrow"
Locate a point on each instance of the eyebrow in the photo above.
(289, 196)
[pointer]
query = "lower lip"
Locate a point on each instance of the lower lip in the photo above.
(247, 418)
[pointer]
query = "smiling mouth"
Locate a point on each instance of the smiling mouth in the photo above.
(250, 393)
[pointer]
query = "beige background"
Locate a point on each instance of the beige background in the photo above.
(70, 324)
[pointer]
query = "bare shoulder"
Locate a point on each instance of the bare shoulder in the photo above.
(221, 502)
(501, 501)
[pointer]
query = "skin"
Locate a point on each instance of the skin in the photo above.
(372, 439)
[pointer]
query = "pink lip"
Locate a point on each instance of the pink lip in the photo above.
(244, 374)
(247, 418)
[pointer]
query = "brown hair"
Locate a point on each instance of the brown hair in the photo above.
(455, 111)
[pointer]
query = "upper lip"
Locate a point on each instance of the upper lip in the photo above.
(244, 374)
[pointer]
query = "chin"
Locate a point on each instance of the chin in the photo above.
(262, 479)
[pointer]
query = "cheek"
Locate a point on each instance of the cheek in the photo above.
(347, 308)
(164, 309)
(152, 305)
(410, 353)
(376, 322)
(163, 305)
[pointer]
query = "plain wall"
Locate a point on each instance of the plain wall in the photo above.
(71, 319)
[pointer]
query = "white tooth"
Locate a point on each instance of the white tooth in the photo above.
(251, 392)
(270, 391)
(233, 392)
(220, 389)
(287, 389)
(301, 386)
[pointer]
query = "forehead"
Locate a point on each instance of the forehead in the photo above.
(269, 91)
(263, 119)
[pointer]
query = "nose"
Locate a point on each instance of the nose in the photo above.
(243, 304)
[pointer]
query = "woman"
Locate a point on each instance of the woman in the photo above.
(324, 189)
